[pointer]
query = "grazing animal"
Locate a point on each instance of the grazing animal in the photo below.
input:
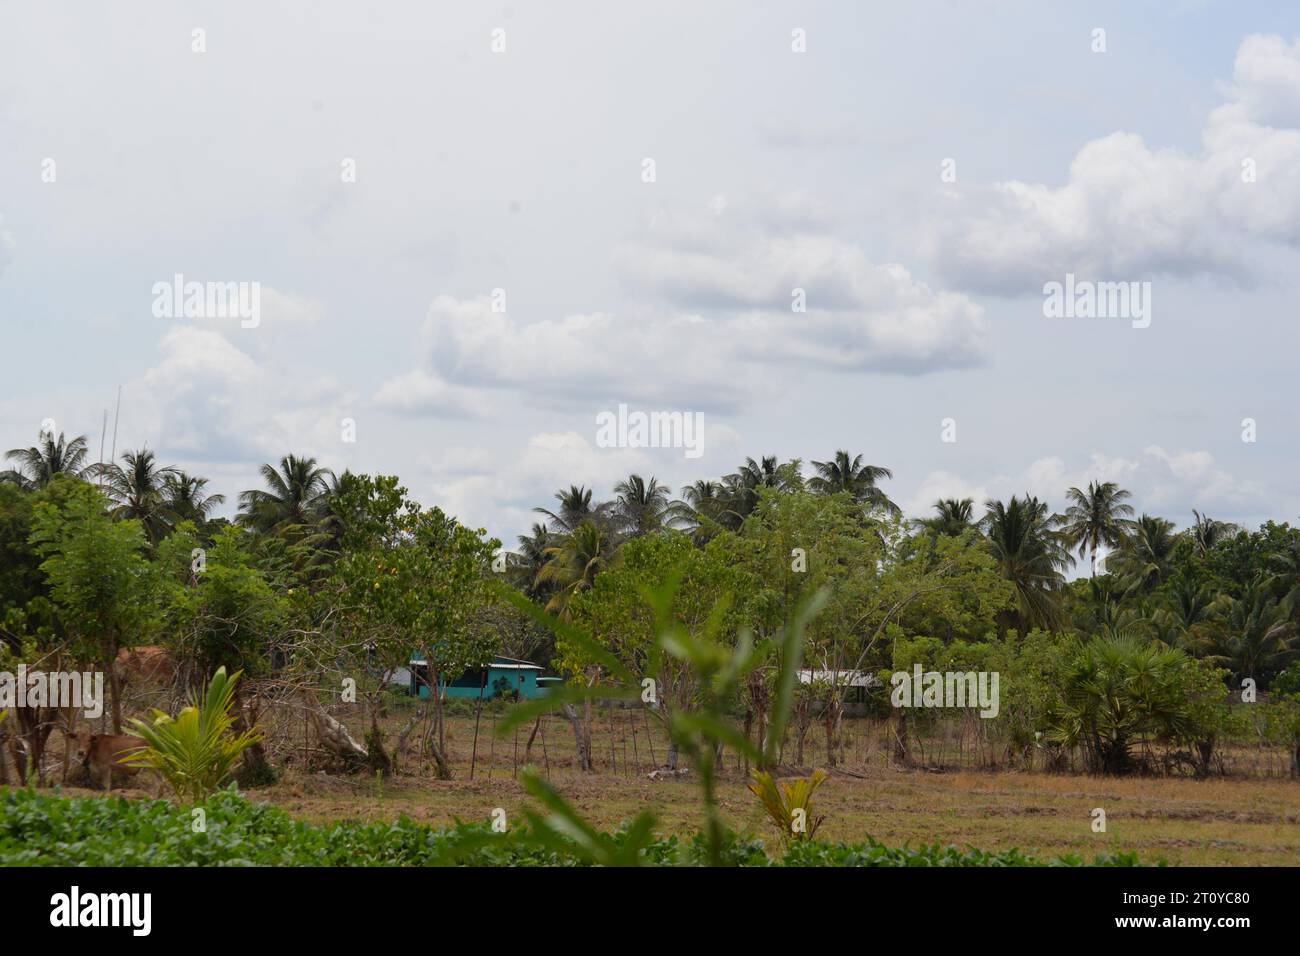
(146, 665)
(102, 756)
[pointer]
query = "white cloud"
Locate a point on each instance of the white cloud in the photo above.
(942, 484)
(207, 398)
(722, 280)
(1128, 211)
(501, 489)
(419, 393)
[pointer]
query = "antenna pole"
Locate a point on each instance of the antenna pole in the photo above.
(113, 456)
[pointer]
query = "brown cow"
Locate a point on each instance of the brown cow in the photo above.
(101, 755)
(147, 665)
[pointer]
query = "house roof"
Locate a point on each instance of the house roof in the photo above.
(500, 664)
(842, 678)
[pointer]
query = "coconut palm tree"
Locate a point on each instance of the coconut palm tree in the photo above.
(1145, 556)
(768, 473)
(1206, 533)
(641, 507)
(139, 491)
(296, 495)
(186, 499)
(851, 475)
(1187, 609)
(576, 506)
(1096, 517)
(1285, 568)
(1030, 555)
(574, 563)
(1252, 635)
(741, 487)
(703, 509)
(526, 564)
(38, 465)
(952, 518)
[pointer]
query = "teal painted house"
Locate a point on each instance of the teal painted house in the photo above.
(504, 677)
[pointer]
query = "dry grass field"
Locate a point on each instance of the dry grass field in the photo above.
(1220, 823)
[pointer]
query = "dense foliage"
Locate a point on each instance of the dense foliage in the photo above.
(1173, 643)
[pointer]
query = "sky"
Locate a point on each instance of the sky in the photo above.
(476, 227)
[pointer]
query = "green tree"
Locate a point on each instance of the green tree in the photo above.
(100, 580)
(411, 580)
(618, 613)
(20, 565)
(1207, 533)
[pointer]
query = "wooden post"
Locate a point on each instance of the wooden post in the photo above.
(624, 725)
(650, 737)
(492, 746)
(541, 722)
(635, 755)
(478, 709)
(613, 763)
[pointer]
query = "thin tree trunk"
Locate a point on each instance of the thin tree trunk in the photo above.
(901, 755)
(581, 739)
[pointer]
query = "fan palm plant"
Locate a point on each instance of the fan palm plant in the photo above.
(1116, 692)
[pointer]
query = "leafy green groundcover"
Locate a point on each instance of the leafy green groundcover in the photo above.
(47, 829)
